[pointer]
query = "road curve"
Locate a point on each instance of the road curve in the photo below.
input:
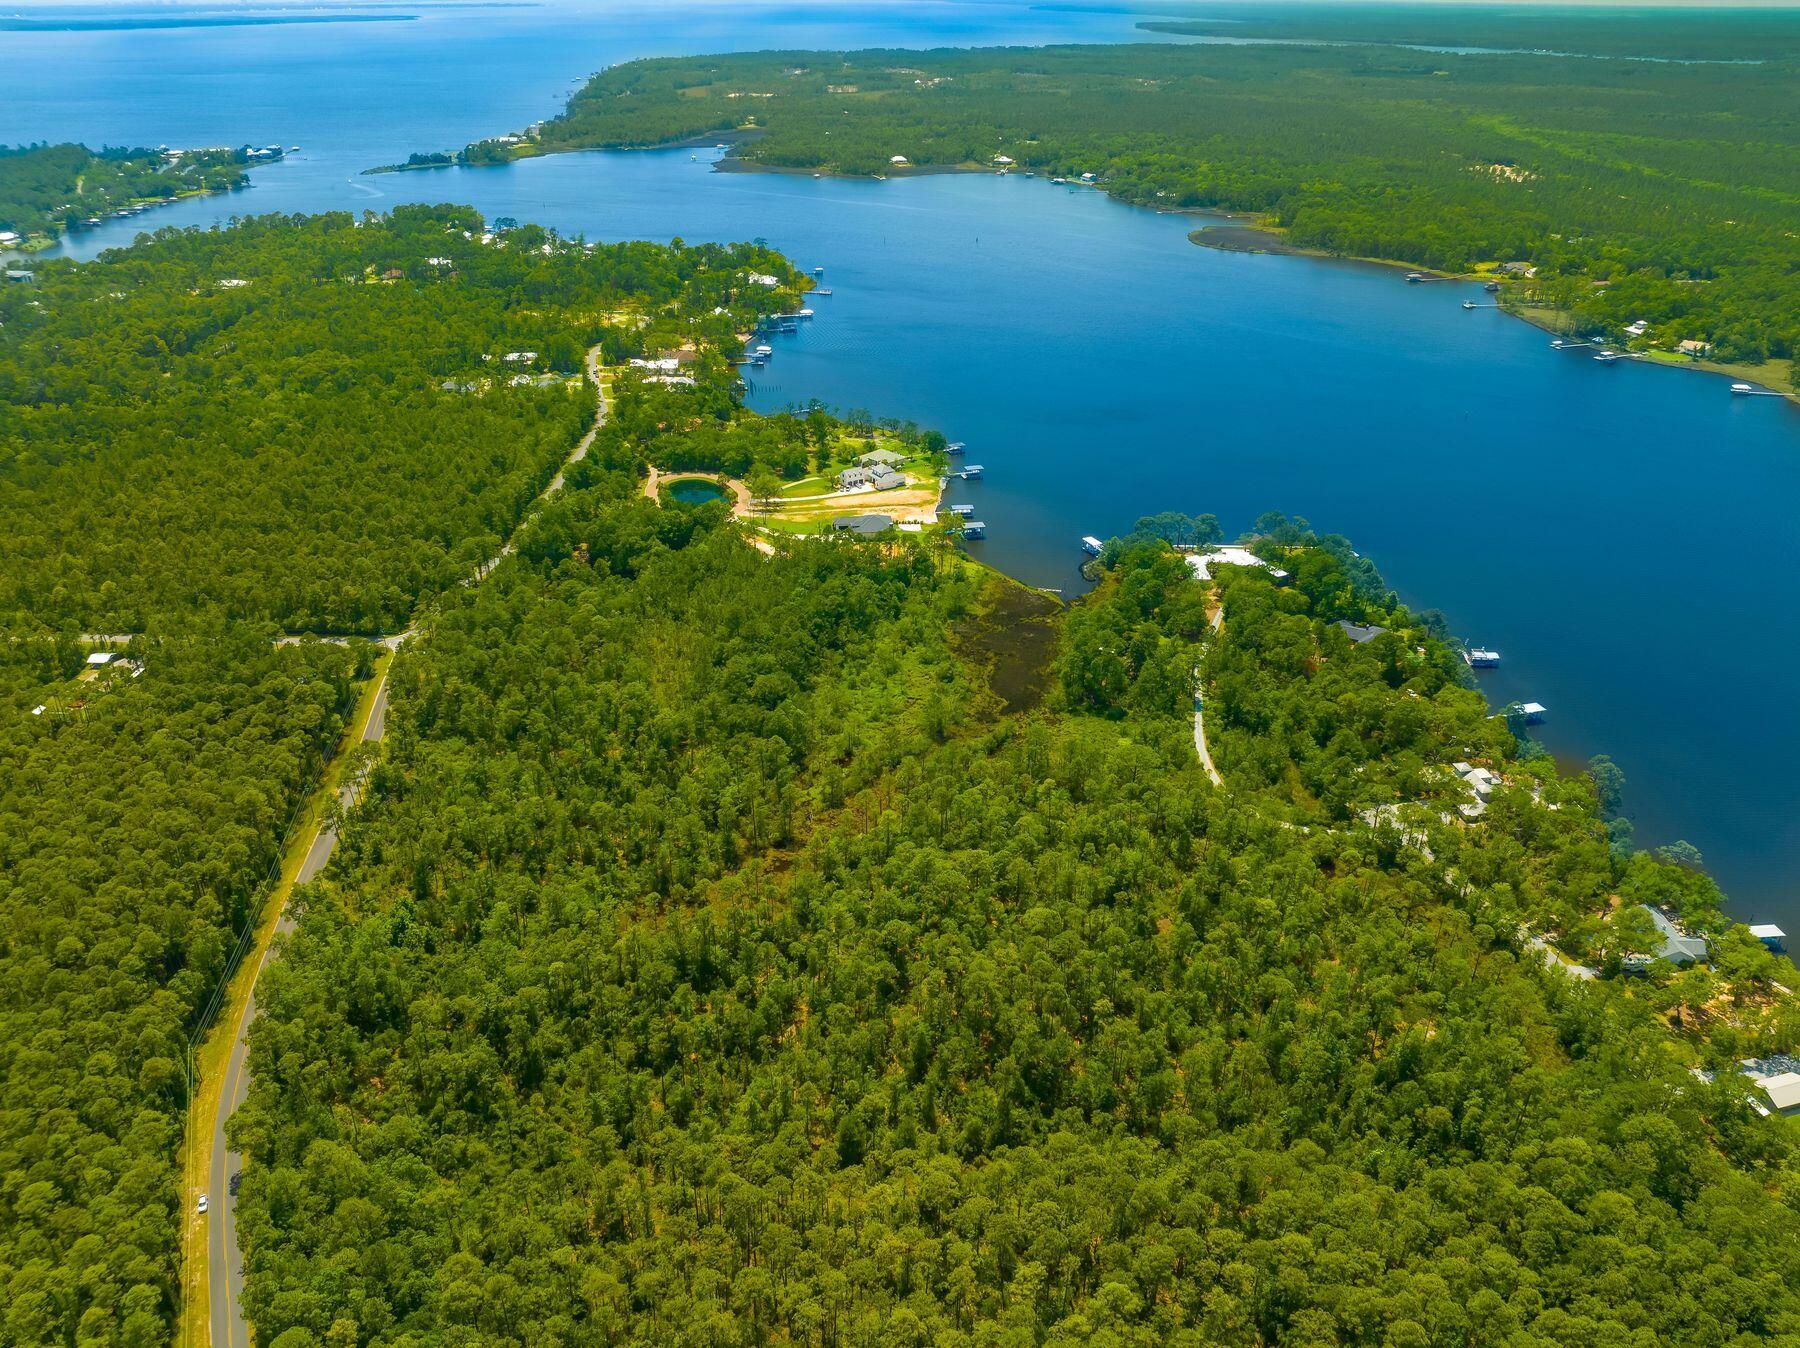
(229, 1328)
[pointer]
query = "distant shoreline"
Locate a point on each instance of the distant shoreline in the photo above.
(1242, 235)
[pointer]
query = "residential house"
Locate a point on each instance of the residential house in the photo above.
(866, 525)
(1230, 555)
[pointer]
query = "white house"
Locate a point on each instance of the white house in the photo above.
(1002, 160)
(519, 357)
(8, 238)
(761, 278)
(898, 161)
(1637, 329)
(1229, 555)
(99, 658)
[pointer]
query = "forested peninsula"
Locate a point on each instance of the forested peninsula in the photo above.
(46, 190)
(743, 938)
(1600, 192)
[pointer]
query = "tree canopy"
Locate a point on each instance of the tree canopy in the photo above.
(1660, 190)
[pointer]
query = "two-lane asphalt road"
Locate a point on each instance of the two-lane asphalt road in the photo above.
(229, 1328)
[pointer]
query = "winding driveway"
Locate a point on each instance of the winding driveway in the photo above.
(1206, 758)
(225, 1312)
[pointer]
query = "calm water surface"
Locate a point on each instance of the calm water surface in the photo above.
(1620, 533)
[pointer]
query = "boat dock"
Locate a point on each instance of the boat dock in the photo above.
(1091, 545)
(974, 529)
(973, 470)
(1480, 658)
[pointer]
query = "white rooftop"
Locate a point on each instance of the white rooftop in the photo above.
(1228, 555)
(100, 658)
(1763, 931)
(1783, 1090)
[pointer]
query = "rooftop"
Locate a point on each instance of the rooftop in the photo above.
(1229, 555)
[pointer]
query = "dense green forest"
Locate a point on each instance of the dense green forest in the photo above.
(44, 189)
(192, 467)
(1637, 190)
(845, 947)
(1646, 33)
(137, 820)
(312, 421)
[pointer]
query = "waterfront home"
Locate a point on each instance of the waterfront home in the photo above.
(1359, 632)
(898, 161)
(1782, 1091)
(762, 278)
(17, 274)
(519, 357)
(1637, 329)
(1690, 347)
(8, 238)
(1203, 563)
(1675, 944)
(865, 525)
(1518, 269)
(880, 457)
(886, 479)
(852, 478)
(1002, 160)
(660, 364)
(1481, 782)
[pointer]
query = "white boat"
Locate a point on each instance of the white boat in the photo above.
(1090, 545)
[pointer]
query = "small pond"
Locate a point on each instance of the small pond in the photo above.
(693, 491)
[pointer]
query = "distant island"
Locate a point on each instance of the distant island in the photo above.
(1655, 200)
(47, 190)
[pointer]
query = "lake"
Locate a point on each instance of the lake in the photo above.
(1619, 533)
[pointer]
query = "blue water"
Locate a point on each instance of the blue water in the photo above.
(694, 491)
(1620, 533)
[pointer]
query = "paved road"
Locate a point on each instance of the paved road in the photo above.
(226, 1282)
(229, 1328)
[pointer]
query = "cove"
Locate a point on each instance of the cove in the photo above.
(1619, 533)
